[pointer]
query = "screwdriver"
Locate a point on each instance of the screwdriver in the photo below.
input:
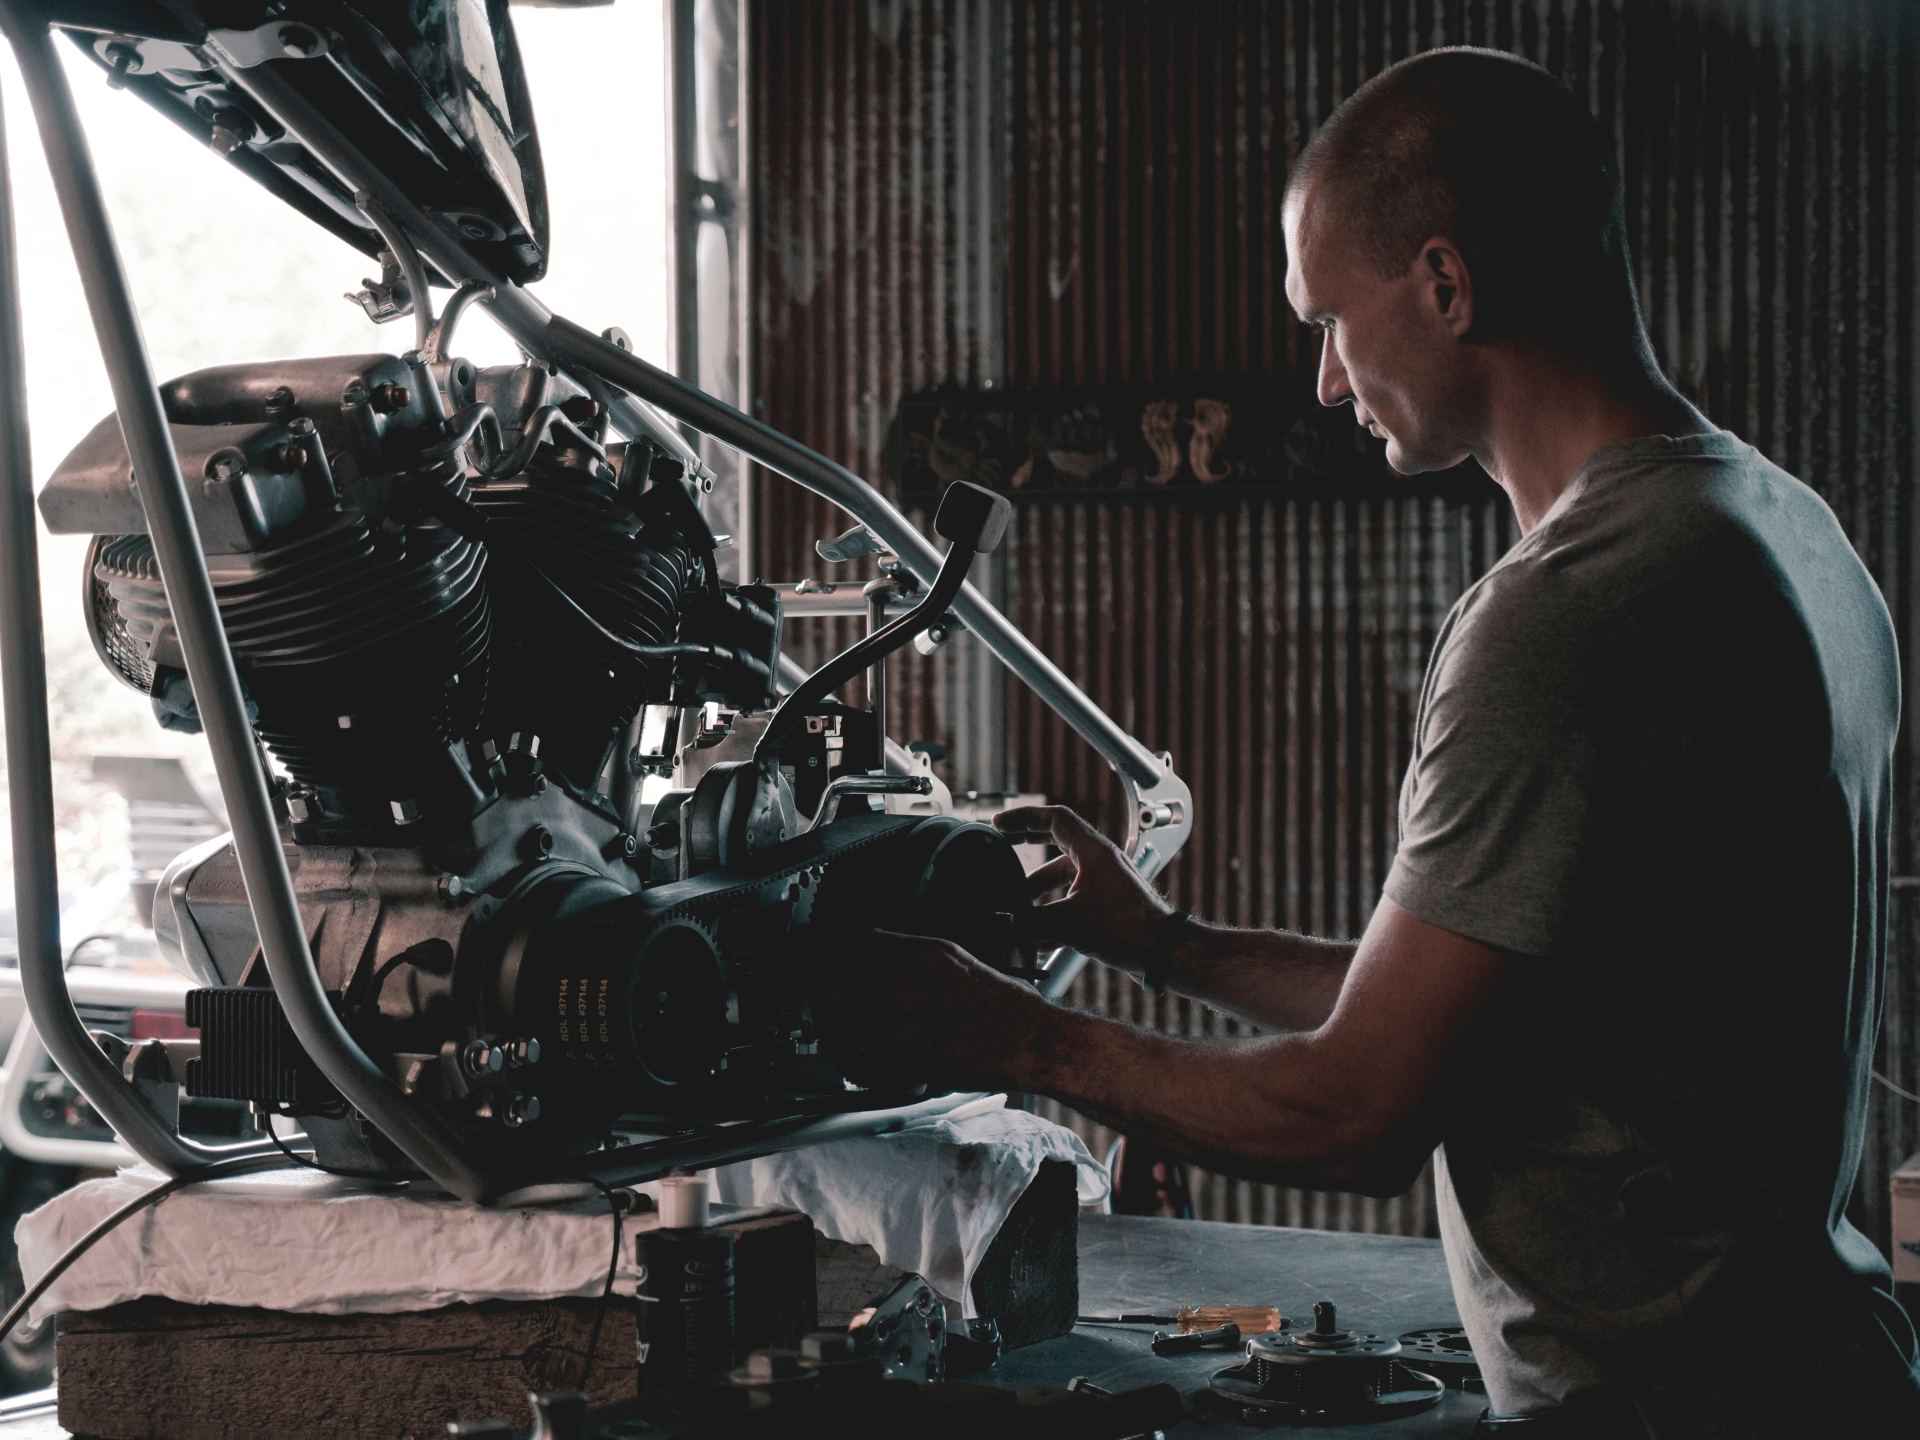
(1182, 1342)
(1252, 1319)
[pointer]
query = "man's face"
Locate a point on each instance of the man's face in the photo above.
(1385, 346)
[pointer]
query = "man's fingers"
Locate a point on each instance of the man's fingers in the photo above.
(1056, 823)
(898, 942)
(1051, 876)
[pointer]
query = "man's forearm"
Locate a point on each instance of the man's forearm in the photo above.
(1256, 1107)
(1271, 978)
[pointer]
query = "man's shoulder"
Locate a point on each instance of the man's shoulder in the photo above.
(1651, 531)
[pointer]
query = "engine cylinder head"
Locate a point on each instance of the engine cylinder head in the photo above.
(566, 516)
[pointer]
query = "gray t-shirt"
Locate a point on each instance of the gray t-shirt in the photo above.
(1654, 753)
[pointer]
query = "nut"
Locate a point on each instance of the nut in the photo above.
(387, 398)
(521, 1110)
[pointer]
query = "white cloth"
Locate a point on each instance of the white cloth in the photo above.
(934, 1197)
(303, 1242)
(930, 1198)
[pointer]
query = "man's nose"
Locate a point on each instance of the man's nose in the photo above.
(1332, 388)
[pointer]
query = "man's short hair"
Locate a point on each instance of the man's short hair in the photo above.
(1496, 154)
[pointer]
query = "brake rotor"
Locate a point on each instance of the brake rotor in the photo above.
(1326, 1374)
(1443, 1351)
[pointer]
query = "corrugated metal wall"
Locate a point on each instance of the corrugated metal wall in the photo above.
(1036, 198)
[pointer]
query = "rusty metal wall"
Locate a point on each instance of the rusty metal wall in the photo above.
(1026, 197)
(878, 158)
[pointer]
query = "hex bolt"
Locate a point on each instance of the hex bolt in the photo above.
(537, 844)
(663, 835)
(405, 812)
(452, 887)
(521, 1110)
(280, 400)
(125, 61)
(523, 1052)
(300, 806)
(227, 466)
(623, 846)
(482, 1058)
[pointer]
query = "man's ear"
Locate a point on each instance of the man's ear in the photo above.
(1448, 285)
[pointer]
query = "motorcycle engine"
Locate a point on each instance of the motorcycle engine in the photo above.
(510, 708)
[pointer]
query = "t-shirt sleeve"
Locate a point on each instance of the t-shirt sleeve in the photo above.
(1527, 753)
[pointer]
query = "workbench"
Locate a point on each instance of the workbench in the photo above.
(1384, 1284)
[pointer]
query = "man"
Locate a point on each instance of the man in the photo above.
(1627, 968)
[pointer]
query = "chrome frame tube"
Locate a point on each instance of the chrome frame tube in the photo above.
(216, 688)
(569, 345)
(412, 268)
(51, 1017)
(650, 1159)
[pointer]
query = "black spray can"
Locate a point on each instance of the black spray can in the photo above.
(684, 1319)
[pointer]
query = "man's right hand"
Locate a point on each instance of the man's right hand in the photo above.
(1110, 912)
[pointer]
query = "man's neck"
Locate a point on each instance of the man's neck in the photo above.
(1547, 415)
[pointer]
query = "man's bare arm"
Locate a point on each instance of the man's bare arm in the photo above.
(1353, 1104)
(1271, 978)
(1274, 979)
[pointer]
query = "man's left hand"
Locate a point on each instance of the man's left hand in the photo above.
(911, 1009)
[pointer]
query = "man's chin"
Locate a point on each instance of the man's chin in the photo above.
(1403, 461)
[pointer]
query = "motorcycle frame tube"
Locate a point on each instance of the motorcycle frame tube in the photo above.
(572, 346)
(216, 687)
(23, 688)
(649, 1159)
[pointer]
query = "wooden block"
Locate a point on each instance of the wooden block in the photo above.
(160, 1370)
